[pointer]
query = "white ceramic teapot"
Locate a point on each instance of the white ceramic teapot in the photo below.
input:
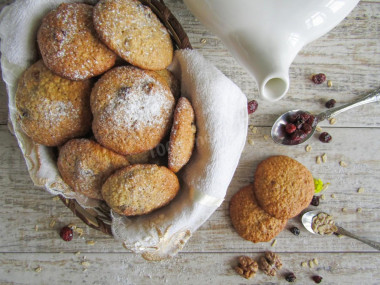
(266, 35)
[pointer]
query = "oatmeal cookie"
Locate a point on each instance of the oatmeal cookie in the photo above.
(283, 186)
(250, 221)
(69, 45)
(84, 165)
(132, 110)
(182, 136)
(52, 109)
(172, 81)
(140, 189)
(134, 32)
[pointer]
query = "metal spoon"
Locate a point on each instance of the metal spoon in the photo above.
(307, 220)
(278, 132)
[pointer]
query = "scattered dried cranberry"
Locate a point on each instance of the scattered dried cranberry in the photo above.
(318, 78)
(317, 279)
(315, 201)
(295, 231)
(252, 106)
(290, 128)
(325, 137)
(290, 277)
(330, 104)
(66, 233)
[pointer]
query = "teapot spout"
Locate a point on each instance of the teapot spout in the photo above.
(267, 59)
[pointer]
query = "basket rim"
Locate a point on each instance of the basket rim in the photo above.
(181, 41)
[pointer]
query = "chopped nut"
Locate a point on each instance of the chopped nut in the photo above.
(329, 83)
(36, 228)
(90, 242)
(274, 243)
(52, 223)
(324, 157)
(77, 253)
(38, 269)
(318, 129)
(322, 197)
(85, 263)
(311, 264)
(270, 263)
(254, 130)
(332, 121)
(361, 190)
(315, 261)
(304, 264)
(359, 210)
(344, 210)
(266, 137)
(203, 41)
(56, 198)
(323, 224)
(343, 164)
(72, 226)
(308, 148)
(318, 160)
(340, 236)
(333, 196)
(79, 231)
(247, 267)
(325, 186)
(251, 142)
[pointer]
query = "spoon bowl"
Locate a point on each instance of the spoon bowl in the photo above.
(307, 220)
(278, 132)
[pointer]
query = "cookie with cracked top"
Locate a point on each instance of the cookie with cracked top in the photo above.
(250, 221)
(134, 32)
(69, 44)
(283, 186)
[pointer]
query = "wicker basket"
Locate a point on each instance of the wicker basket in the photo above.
(100, 218)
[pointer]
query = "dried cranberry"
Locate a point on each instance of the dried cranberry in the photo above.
(290, 128)
(290, 277)
(252, 106)
(315, 201)
(295, 231)
(325, 137)
(66, 233)
(307, 128)
(304, 116)
(311, 121)
(293, 118)
(330, 104)
(318, 78)
(297, 135)
(317, 279)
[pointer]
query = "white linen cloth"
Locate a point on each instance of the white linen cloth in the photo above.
(221, 118)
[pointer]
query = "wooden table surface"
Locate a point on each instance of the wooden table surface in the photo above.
(33, 253)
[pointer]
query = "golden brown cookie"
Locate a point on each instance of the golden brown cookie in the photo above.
(250, 221)
(85, 165)
(52, 109)
(134, 32)
(182, 136)
(132, 110)
(172, 82)
(283, 186)
(140, 189)
(69, 45)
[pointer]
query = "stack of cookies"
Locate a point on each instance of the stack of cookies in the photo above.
(101, 93)
(282, 188)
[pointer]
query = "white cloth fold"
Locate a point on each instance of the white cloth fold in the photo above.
(221, 118)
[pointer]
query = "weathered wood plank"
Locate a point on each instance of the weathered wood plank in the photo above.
(36, 207)
(102, 269)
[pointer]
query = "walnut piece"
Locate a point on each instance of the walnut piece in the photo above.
(270, 263)
(247, 267)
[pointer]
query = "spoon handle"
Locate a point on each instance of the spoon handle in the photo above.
(371, 243)
(371, 97)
